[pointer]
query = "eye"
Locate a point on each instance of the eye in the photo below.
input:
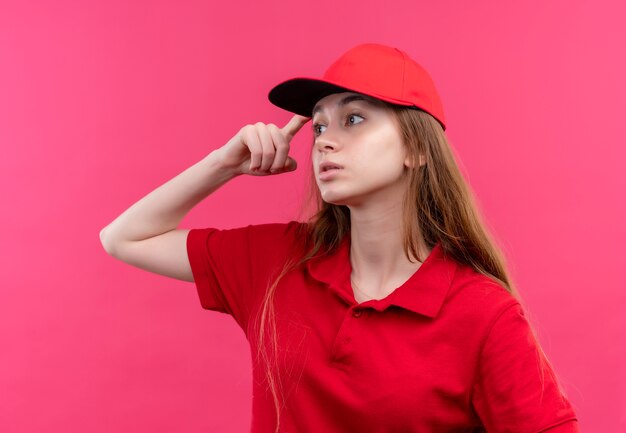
(316, 127)
(349, 120)
(350, 116)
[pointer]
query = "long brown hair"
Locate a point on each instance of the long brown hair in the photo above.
(438, 206)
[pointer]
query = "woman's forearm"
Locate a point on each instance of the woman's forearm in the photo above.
(164, 208)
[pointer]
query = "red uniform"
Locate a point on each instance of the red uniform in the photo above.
(447, 351)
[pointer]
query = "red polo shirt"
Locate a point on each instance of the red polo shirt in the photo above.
(448, 351)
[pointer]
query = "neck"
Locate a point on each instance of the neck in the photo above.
(379, 263)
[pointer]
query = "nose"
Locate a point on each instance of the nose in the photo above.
(327, 141)
(324, 145)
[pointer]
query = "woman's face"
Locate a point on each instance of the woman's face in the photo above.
(360, 135)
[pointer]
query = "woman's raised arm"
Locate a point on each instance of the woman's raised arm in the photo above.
(146, 234)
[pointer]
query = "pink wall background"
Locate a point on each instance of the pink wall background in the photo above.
(102, 102)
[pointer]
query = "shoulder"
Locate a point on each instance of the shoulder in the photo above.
(279, 239)
(286, 231)
(476, 288)
(274, 239)
(257, 232)
(477, 299)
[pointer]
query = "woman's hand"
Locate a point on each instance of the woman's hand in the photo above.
(261, 149)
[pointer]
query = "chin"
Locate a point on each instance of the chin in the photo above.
(333, 198)
(338, 199)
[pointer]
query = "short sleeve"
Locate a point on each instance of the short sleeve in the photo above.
(516, 389)
(231, 267)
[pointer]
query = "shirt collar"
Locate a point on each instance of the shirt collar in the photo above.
(423, 293)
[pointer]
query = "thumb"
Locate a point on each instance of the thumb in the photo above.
(291, 164)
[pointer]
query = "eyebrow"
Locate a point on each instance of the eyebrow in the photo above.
(346, 100)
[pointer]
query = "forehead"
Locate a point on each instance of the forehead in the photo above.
(344, 98)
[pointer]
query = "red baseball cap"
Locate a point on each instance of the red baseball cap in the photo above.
(376, 70)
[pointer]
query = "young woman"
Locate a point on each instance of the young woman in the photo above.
(390, 309)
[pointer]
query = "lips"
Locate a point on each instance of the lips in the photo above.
(327, 165)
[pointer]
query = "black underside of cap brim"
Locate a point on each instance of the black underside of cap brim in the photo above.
(299, 95)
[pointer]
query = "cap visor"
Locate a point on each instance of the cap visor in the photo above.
(299, 95)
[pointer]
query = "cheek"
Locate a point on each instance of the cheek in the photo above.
(380, 171)
(315, 160)
(380, 158)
